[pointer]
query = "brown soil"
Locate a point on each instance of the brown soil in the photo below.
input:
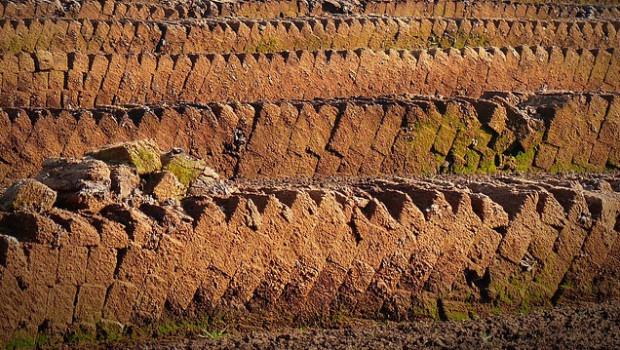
(594, 326)
(222, 36)
(399, 135)
(256, 105)
(70, 81)
(156, 10)
(286, 253)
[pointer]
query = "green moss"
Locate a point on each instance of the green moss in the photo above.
(40, 340)
(185, 175)
(79, 336)
(478, 41)
(502, 294)
(472, 159)
(410, 41)
(426, 309)
(563, 168)
(445, 43)
(461, 144)
(20, 344)
(487, 163)
(146, 160)
(568, 283)
(313, 43)
(439, 161)
(444, 139)
(185, 168)
(268, 45)
(424, 137)
(504, 141)
(459, 316)
(460, 41)
(142, 155)
(482, 138)
(524, 160)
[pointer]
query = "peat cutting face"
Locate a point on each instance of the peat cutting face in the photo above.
(223, 166)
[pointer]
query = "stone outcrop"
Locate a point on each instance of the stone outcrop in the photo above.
(165, 185)
(187, 169)
(143, 155)
(79, 183)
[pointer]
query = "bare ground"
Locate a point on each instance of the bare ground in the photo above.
(592, 326)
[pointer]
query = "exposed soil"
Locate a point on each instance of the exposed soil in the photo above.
(593, 326)
(217, 173)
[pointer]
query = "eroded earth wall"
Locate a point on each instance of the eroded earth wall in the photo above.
(57, 79)
(307, 123)
(387, 249)
(397, 135)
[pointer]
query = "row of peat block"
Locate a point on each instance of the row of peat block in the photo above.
(546, 132)
(382, 249)
(269, 36)
(110, 9)
(55, 79)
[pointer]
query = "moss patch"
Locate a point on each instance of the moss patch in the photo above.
(142, 155)
(185, 168)
(524, 160)
(268, 45)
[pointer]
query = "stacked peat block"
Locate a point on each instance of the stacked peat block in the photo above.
(109, 232)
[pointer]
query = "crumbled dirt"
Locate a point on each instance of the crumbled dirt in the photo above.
(594, 326)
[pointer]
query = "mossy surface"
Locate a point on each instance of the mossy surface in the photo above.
(268, 45)
(184, 168)
(146, 161)
(524, 160)
(142, 155)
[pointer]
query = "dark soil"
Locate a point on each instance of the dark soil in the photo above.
(595, 326)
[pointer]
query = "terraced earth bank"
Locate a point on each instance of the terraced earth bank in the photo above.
(289, 163)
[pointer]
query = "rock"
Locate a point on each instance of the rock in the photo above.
(125, 180)
(164, 185)
(142, 155)
(80, 183)
(72, 175)
(188, 169)
(28, 194)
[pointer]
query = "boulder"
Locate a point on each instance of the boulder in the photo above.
(164, 185)
(71, 175)
(80, 183)
(28, 194)
(187, 169)
(142, 155)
